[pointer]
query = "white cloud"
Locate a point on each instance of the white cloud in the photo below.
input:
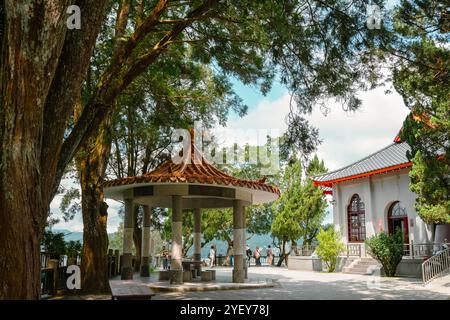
(76, 224)
(347, 137)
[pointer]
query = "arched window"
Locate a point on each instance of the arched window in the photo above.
(356, 220)
(398, 219)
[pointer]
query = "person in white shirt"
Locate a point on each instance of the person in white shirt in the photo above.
(212, 256)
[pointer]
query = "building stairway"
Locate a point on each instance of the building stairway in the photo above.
(361, 266)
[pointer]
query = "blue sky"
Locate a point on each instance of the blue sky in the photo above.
(252, 96)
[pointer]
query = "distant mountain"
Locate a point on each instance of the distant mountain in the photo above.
(70, 235)
(73, 235)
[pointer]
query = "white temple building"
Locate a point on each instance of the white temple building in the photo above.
(372, 195)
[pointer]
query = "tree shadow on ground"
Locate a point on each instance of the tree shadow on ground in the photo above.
(288, 288)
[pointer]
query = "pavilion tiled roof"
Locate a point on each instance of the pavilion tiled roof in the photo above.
(390, 158)
(196, 171)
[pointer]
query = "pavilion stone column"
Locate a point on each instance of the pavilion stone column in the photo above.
(197, 239)
(127, 257)
(238, 241)
(145, 258)
(176, 268)
(244, 243)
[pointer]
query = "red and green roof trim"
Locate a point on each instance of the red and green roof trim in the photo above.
(390, 158)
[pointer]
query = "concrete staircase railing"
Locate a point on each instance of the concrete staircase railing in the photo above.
(436, 266)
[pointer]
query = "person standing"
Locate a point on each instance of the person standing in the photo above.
(212, 256)
(165, 257)
(257, 256)
(248, 252)
(231, 255)
(269, 255)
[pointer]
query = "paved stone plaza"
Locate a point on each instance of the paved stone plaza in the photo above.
(314, 285)
(306, 285)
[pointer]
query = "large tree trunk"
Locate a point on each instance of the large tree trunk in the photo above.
(19, 242)
(25, 62)
(92, 161)
(94, 261)
(33, 36)
(42, 68)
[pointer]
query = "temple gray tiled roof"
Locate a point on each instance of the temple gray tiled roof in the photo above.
(390, 156)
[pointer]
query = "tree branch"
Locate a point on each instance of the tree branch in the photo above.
(122, 19)
(65, 89)
(113, 81)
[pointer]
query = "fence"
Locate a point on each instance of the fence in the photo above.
(54, 273)
(53, 279)
(423, 250)
(263, 260)
(220, 261)
(305, 250)
(436, 266)
(412, 250)
(353, 250)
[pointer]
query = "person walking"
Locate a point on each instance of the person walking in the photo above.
(212, 256)
(269, 255)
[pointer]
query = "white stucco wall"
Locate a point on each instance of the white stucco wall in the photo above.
(378, 192)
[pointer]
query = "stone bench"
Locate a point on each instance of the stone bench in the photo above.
(130, 290)
(208, 275)
(187, 275)
(163, 275)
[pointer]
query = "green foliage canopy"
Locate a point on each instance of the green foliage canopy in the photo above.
(300, 210)
(422, 77)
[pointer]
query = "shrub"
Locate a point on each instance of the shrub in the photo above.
(329, 248)
(54, 244)
(73, 249)
(387, 249)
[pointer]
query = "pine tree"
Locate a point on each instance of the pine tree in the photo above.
(422, 77)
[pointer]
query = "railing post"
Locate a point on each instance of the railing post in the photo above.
(411, 249)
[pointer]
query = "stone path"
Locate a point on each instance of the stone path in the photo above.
(313, 285)
(304, 285)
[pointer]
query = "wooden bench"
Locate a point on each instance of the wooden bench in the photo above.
(130, 290)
